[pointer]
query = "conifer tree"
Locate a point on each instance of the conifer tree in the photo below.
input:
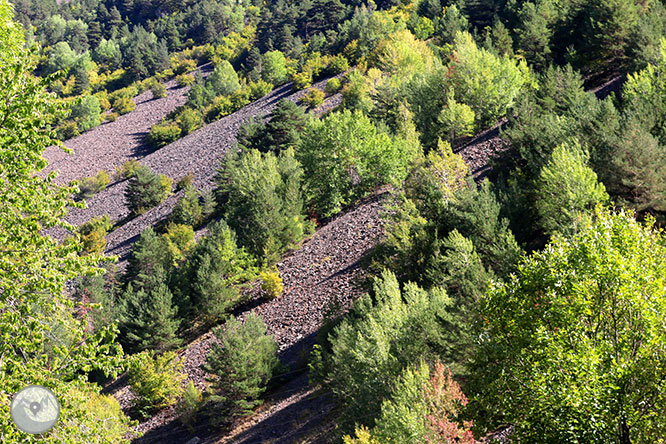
(148, 318)
(145, 190)
(241, 365)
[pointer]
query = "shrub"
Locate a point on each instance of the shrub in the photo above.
(337, 65)
(155, 380)
(302, 80)
(189, 120)
(103, 99)
(123, 105)
(271, 283)
(259, 89)
(187, 210)
(93, 234)
(146, 190)
(185, 181)
(158, 90)
(127, 169)
(105, 410)
(241, 365)
(163, 134)
(111, 117)
(333, 86)
(261, 195)
(179, 241)
(313, 98)
(86, 113)
(67, 130)
(184, 66)
(190, 405)
(184, 80)
(90, 186)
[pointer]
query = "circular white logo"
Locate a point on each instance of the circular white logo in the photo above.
(35, 409)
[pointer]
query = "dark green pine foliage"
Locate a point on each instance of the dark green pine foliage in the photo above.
(557, 112)
(261, 195)
(149, 257)
(633, 169)
(242, 364)
(282, 131)
(477, 215)
(145, 190)
(188, 211)
(206, 283)
(148, 318)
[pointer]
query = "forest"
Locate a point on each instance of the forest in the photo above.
(509, 295)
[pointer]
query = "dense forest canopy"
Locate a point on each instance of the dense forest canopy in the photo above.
(529, 302)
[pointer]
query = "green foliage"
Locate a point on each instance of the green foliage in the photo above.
(207, 281)
(274, 67)
(262, 200)
(89, 186)
(271, 283)
(162, 134)
(313, 98)
(184, 80)
(44, 342)
(282, 131)
(179, 240)
(345, 157)
(333, 86)
(147, 318)
(421, 409)
(487, 83)
(93, 234)
(148, 260)
(457, 119)
(105, 410)
(241, 365)
(385, 334)
(146, 190)
(188, 120)
(123, 105)
(188, 210)
(155, 380)
(189, 405)
(576, 338)
(567, 190)
(86, 113)
(158, 90)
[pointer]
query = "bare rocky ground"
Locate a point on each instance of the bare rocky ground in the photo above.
(108, 145)
(198, 153)
(325, 270)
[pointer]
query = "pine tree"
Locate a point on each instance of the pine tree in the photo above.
(241, 365)
(633, 169)
(187, 210)
(145, 190)
(147, 260)
(148, 319)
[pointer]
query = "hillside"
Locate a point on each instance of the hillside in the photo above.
(334, 221)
